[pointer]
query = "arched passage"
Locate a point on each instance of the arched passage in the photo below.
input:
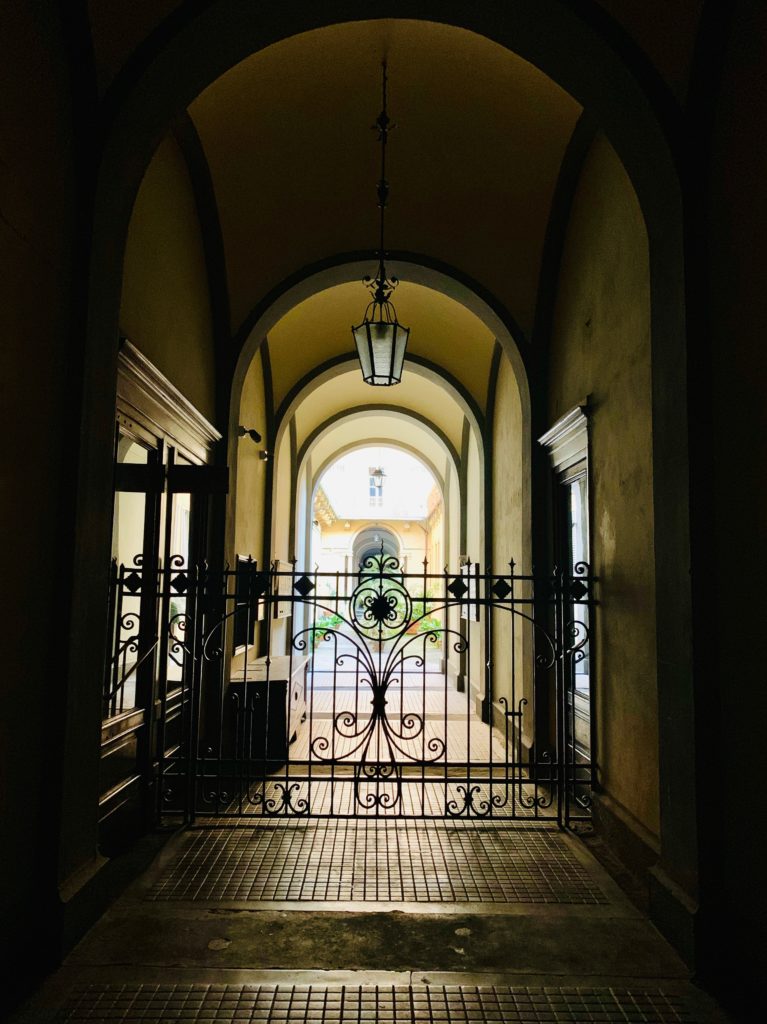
(637, 135)
(307, 402)
(446, 482)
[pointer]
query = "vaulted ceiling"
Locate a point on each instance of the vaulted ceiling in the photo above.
(473, 165)
(667, 37)
(442, 331)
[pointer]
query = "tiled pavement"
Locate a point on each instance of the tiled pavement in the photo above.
(362, 921)
(352, 1004)
(365, 860)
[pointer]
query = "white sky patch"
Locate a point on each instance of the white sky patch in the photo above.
(404, 491)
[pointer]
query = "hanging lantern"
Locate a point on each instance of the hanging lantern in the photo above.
(380, 339)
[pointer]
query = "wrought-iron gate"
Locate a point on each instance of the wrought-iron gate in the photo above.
(382, 692)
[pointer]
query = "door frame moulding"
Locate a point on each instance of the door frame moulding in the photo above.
(147, 400)
(567, 441)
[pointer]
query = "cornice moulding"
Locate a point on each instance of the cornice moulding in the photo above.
(147, 395)
(567, 440)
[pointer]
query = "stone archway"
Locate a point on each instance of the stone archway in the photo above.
(636, 130)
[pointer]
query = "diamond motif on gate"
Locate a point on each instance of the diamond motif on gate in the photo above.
(458, 588)
(578, 589)
(304, 586)
(132, 582)
(501, 589)
(180, 582)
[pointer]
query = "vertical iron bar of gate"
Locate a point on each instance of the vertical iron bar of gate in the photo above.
(256, 781)
(228, 771)
(243, 720)
(108, 702)
(561, 699)
(569, 696)
(569, 667)
(198, 581)
(357, 669)
(162, 745)
(445, 635)
(240, 703)
(512, 710)
(534, 759)
(221, 689)
(310, 756)
(379, 677)
(120, 677)
(463, 624)
(487, 604)
(466, 627)
(179, 649)
(118, 672)
(566, 673)
(334, 705)
(592, 685)
(289, 681)
(161, 690)
(272, 614)
(529, 765)
(241, 761)
(163, 576)
(424, 695)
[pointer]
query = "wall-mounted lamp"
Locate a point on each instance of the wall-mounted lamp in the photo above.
(252, 434)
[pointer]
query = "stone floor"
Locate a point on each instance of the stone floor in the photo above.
(352, 921)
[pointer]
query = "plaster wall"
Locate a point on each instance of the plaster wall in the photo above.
(512, 640)
(452, 546)
(601, 349)
(475, 550)
(165, 307)
(452, 516)
(282, 628)
(281, 503)
(435, 549)
(303, 513)
(251, 470)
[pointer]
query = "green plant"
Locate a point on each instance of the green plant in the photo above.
(323, 625)
(431, 624)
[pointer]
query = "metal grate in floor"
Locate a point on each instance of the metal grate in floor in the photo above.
(397, 1004)
(378, 861)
